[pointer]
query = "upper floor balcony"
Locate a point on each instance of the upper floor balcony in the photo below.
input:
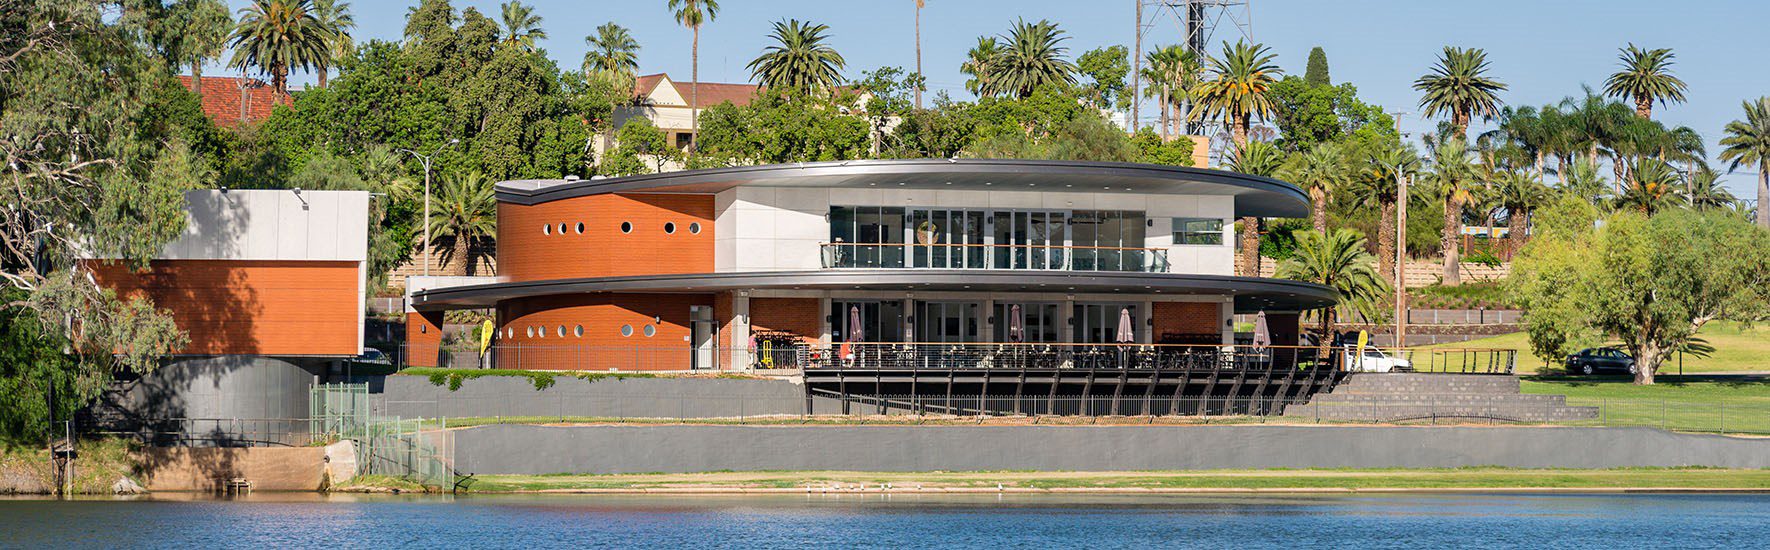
(994, 256)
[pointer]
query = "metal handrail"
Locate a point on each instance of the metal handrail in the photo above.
(1146, 260)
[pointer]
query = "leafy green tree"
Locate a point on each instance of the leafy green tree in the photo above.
(465, 213)
(1337, 260)
(1646, 77)
(95, 157)
(1032, 57)
(1316, 72)
(1307, 115)
(1648, 282)
(277, 36)
(940, 132)
(192, 32)
(1748, 144)
(1152, 149)
(335, 20)
(693, 14)
(1238, 90)
(977, 65)
(1105, 69)
(522, 27)
(1460, 87)
(782, 125)
(799, 60)
(890, 97)
(637, 138)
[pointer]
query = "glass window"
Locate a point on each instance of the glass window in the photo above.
(947, 321)
(1099, 323)
(651, 330)
(626, 330)
(1198, 231)
(880, 321)
(1038, 322)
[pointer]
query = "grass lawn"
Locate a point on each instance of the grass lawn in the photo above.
(1675, 403)
(1349, 479)
(1736, 349)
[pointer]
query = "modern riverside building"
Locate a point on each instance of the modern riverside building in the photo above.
(862, 264)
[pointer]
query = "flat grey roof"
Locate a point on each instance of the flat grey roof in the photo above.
(1251, 293)
(1254, 195)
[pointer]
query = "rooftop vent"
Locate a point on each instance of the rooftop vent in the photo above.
(571, 177)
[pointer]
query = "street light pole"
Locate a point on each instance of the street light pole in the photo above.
(1400, 245)
(426, 160)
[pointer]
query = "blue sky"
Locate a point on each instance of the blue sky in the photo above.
(1544, 50)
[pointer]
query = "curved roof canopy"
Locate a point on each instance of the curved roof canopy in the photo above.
(1254, 195)
(1251, 294)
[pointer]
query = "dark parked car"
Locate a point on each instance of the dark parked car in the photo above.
(1600, 360)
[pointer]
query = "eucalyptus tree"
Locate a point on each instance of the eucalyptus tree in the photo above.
(1238, 87)
(1455, 177)
(693, 14)
(1032, 56)
(1459, 86)
(1748, 144)
(1645, 77)
(335, 19)
(1338, 260)
(522, 27)
(197, 33)
(277, 36)
(1321, 171)
(799, 60)
(978, 62)
(1257, 158)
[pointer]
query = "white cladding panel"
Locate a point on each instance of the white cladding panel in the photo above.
(774, 229)
(273, 225)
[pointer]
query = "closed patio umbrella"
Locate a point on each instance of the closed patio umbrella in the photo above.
(1126, 334)
(1016, 325)
(855, 333)
(1262, 334)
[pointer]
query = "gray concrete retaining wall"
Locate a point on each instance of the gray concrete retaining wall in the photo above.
(529, 449)
(507, 396)
(223, 387)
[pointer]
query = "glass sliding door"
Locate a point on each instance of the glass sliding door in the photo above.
(947, 321)
(880, 320)
(866, 236)
(1038, 322)
(1029, 240)
(1099, 323)
(951, 239)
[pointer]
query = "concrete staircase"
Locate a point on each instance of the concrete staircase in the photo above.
(1404, 397)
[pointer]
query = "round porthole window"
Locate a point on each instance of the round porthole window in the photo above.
(580, 228)
(546, 229)
(578, 331)
(694, 228)
(561, 332)
(650, 331)
(626, 330)
(562, 228)
(669, 228)
(626, 227)
(529, 332)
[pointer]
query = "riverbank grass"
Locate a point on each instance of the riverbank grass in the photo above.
(1205, 480)
(1672, 402)
(1737, 349)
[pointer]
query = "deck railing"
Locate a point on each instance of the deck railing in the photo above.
(994, 256)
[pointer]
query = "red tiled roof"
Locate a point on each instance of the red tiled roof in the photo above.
(222, 96)
(712, 93)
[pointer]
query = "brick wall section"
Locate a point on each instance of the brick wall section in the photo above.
(424, 337)
(250, 307)
(1199, 319)
(799, 316)
(528, 253)
(529, 332)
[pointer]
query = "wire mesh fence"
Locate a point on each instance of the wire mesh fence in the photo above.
(417, 449)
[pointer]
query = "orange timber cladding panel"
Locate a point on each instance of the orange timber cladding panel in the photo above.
(530, 328)
(528, 253)
(249, 307)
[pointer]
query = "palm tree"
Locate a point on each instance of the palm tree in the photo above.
(1591, 121)
(1376, 182)
(202, 35)
(693, 14)
(1337, 260)
(522, 28)
(1519, 193)
(1454, 176)
(1237, 90)
(800, 61)
(919, 5)
(1653, 188)
(1646, 76)
(1704, 190)
(1258, 158)
(1172, 73)
(1320, 171)
(465, 210)
(613, 54)
(977, 64)
(1748, 144)
(277, 36)
(334, 17)
(1581, 179)
(1459, 86)
(1031, 56)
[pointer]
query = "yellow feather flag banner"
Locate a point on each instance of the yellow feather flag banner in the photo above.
(485, 336)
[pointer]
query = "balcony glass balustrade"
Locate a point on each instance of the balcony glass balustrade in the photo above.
(993, 256)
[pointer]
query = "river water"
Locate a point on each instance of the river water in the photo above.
(1611, 522)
